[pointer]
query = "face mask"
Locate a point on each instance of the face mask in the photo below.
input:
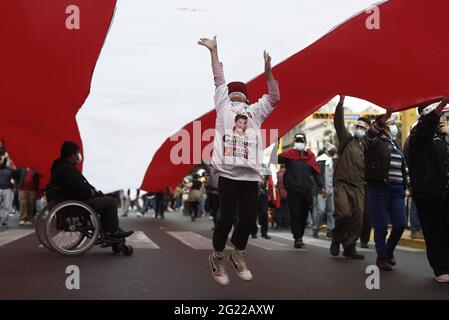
(79, 158)
(393, 132)
(359, 133)
(301, 146)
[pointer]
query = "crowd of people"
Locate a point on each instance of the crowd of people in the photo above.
(367, 181)
(19, 191)
(362, 184)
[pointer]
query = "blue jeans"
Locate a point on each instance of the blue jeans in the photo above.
(387, 202)
(149, 203)
(323, 205)
(415, 224)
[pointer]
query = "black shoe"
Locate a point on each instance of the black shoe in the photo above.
(253, 236)
(335, 248)
(391, 259)
(364, 245)
(120, 234)
(383, 264)
(315, 235)
(266, 236)
(299, 244)
(329, 234)
(351, 253)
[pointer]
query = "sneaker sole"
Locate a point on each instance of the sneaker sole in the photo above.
(213, 275)
(236, 271)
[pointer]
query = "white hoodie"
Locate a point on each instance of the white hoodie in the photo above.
(238, 147)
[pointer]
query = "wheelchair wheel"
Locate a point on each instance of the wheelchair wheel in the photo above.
(128, 250)
(72, 228)
(40, 227)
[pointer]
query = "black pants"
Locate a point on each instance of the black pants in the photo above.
(299, 207)
(161, 205)
(262, 217)
(236, 198)
(213, 205)
(194, 207)
(434, 216)
(366, 228)
(106, 207)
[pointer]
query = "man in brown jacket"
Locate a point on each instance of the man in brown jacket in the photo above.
(349, 180)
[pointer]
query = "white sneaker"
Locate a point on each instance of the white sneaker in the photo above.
(139, 215)
(444, 278)
(22, 223)
(219, 273)
(237, 259)
(28, 223)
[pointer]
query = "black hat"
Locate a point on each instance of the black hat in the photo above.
(366, 120)
(68, 148)
(300, 137)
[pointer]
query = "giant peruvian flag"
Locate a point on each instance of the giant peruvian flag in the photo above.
(122, 77)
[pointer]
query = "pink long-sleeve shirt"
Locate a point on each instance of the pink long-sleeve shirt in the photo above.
(238, 147)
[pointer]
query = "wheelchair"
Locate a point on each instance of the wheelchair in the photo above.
(72, 228)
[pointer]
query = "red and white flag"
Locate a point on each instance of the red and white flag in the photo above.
(121, 77)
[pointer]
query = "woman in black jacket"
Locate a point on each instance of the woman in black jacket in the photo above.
(429, 173)
(386, 175)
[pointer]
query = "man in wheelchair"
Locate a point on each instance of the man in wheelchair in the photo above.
(72, 185)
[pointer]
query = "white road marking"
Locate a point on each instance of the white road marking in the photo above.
(271, 245)
(312, 241)
(326, 243)
(193, 240)
(139, 240)
(13, 235)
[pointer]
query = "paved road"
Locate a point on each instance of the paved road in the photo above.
(170, 262)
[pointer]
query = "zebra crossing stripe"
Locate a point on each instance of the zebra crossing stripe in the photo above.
(193, 240)
(326, 244)
(13, 235)
(311, 241)
(139, 240)
(273, 245)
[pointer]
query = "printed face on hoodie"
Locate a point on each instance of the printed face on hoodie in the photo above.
(241, 124)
